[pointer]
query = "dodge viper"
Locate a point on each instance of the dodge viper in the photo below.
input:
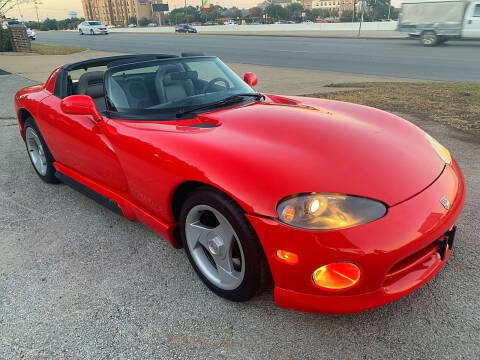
(340, 207)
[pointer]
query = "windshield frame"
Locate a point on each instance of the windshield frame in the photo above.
(168, 114)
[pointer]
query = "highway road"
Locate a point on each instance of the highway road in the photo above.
(455, 61)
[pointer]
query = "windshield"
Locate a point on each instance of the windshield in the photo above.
(170, 86)
(94, 23)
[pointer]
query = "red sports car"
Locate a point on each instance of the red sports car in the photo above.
(342, 206)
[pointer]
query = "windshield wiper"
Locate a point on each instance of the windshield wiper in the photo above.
(228, 100)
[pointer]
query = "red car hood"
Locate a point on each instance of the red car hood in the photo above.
(322, 146)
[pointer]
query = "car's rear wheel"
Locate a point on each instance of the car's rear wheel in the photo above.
(222, 246)
(40, 156)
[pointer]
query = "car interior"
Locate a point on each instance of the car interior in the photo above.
(170, 82)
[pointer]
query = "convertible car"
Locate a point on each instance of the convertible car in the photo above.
(341, 207)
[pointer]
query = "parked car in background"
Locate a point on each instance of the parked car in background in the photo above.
(307, 22)
(230, 22)
(284, 22)
(152, 25)
(321, 21)
(31, 34)
(434, 22)
(92, 28)
(6, 23)
(185, 28)
(196, 24)
(132, 25)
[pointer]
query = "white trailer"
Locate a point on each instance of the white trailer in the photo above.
(435, 21)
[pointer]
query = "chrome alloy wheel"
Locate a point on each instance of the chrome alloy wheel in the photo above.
(36, 151)
(215, 247)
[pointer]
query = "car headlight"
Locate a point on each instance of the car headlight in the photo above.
(441, 150)
(326, 211)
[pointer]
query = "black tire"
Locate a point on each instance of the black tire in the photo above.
(257, 274)
(49, 176)
(429, 38)
(92, 32)
(81, 32)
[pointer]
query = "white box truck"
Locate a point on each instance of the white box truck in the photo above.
(435, 21)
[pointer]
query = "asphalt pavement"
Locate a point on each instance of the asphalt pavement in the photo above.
(454, 61)
(80, 282)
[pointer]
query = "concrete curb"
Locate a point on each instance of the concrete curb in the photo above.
(314, 36)
(265, 34)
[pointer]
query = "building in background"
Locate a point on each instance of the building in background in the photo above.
(326, 5)
(335, 5)
(118, 12)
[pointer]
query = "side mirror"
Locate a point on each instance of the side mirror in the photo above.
(80, 105)
(250, 78)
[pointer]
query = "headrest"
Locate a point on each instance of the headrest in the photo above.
(165, 69)
(95, 91)
(175, 77)
(92, 77)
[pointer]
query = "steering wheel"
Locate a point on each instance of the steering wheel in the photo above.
(213, 81)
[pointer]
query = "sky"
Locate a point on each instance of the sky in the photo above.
(59, 9)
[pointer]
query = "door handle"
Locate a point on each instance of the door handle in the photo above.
(469, 21)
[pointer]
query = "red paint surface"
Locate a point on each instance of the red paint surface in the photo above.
(260, 153)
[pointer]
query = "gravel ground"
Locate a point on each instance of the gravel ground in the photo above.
(78, 281)
(9, 84)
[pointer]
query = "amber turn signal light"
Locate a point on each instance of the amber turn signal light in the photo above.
(287, 257)
(336, 276)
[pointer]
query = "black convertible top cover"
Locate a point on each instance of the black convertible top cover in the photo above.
(115, 61)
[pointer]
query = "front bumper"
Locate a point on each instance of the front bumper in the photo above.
(396, 254)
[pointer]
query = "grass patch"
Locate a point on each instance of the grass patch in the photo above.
(456, 104)
(55, 49)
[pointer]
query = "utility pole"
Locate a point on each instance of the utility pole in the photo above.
(19, 10)
(361, 19)
(303, 9)
(353, 12)
(389, 7)
(36, 3)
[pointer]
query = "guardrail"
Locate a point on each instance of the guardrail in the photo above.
(348, 26)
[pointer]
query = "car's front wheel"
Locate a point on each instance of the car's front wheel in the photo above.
(81, 32)
(429, 38)
(222, 246)
(40, 156)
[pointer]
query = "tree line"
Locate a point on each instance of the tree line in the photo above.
(374, 10)
(53, 24)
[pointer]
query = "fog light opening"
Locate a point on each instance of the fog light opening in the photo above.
(287, 257)
(336, 276)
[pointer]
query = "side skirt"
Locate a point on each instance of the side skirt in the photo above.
(118, 201)
(99, 198)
